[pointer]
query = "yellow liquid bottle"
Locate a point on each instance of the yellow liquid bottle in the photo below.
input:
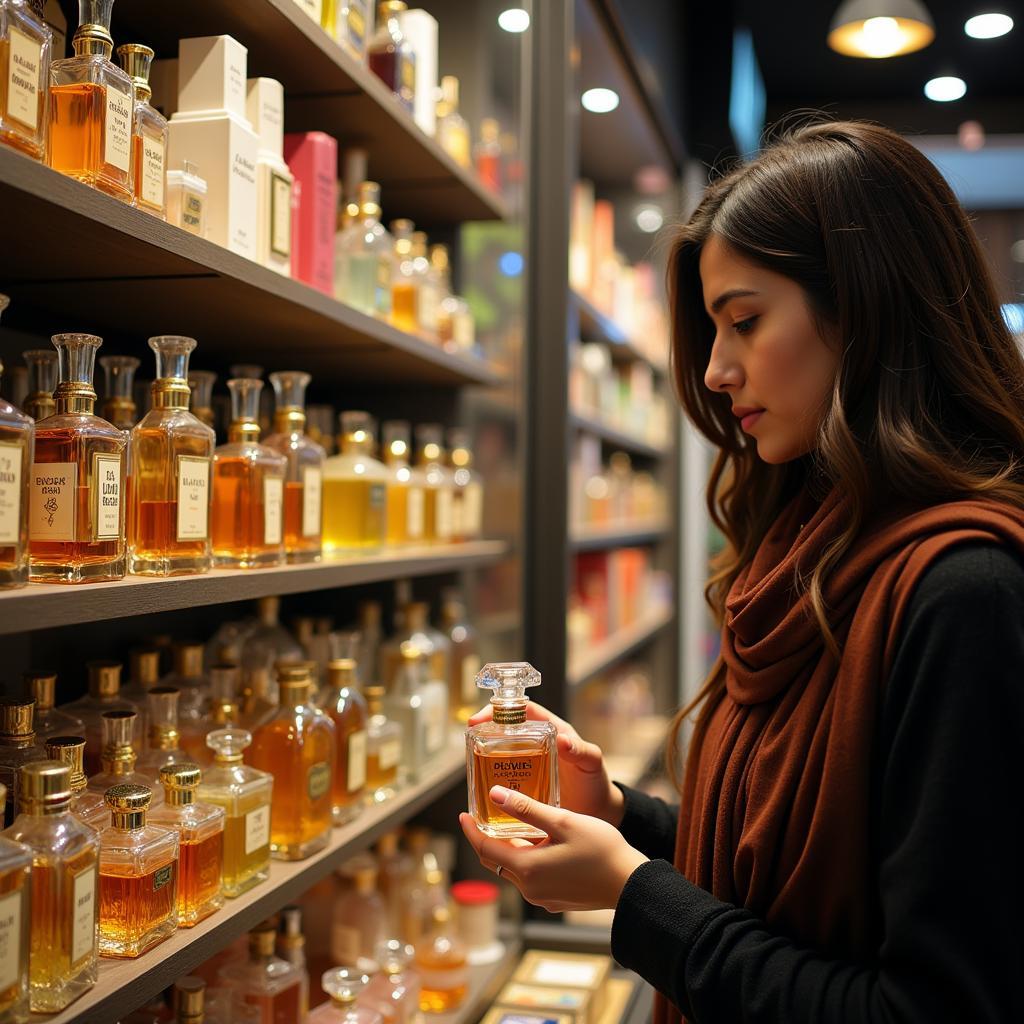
(355, 490)
(15, 884)
(406, 496)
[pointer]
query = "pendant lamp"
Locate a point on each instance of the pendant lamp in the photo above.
(880, 28)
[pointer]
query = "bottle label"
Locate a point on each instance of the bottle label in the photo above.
(408, 74)
(318, 780)
(280, 215)
(117, 133)
(83, 910)
(153, 170)
(472, 510)
(52, 490)
(193, 497)
(378, 495)
(356, 24)
(257, 829)
(162, 876)
(444, 513)
(23, 78)
(356, 761)
(106, 483)
(10, 939)
(470, 668)
(312, 490)
(415, 517)
(192, 211)
(273, 497)
(433, 726)
(389, 753)
(10, 496)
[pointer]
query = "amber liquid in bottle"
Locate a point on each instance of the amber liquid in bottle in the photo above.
(525, 771)
(280, 1007)
(14, 882)
(293, 538)
(237, 517)
(199, 874)
(131, 905)
(404, 307)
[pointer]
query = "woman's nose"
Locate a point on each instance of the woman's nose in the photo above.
(723, 371)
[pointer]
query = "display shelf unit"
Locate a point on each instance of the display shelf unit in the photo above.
(618, 535)
(595, 326)
(484, 983)
(620, 438)
(619, 645)
(125, 985)
(647, 738)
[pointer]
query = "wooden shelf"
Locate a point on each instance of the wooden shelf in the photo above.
(595, 326)
(618, 535)
(126, 984)
(603, 655)
(326, 89)
(620, 438)
(43, 606)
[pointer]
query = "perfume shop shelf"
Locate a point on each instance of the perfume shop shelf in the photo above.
(620, 438)
(647, 737)
(328, 90)
(485, 982)
(619, 645)
(595, 326)
(81, 260)
(43, 606)
(126, 984)
(618, 535)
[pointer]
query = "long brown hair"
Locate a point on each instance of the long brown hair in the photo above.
(928, 401)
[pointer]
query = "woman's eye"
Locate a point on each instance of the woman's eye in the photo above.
(744, 326)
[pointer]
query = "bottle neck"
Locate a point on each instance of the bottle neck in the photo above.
(170, 393)
(128, 821)
(227, 760)
(179, 797)
(507, 712)
(118, 760)
(163, 737)
(18, 742)
(41, 809)
(289, 420)
(244, 430)
(74, 399)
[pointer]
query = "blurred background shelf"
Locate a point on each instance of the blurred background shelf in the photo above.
(606, 653)
(621, 438)
(617, 535)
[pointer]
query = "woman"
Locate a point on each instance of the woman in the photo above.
(844, 850)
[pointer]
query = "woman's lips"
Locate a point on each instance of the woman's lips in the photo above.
(750, 419)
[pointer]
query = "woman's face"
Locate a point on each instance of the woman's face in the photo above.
(767, 356)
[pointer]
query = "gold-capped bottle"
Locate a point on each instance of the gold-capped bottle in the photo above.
(463, 656)
(104, 695)
(383, 749)
(468, 489)
(144, 674)
(438, 484)
(18, 746)
(362, 258)
(221, 710)
(138, 876)
(355, 490)
(41, 686)
(452, 130)
(117, 760)
(15, 886)
(42, 382)
(200, 385)
(190, 1001)
(118, 406)
(65, 881)
(172, 465)
(25, 49)
(76, 515)
(344, 705)
(405, 491)
(264, 980)
(17, 434)
(164, 745)
(404, 292)
(149, 134)
(70, 750)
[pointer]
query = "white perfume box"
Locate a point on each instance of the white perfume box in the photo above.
(211, 75)
(264, 106)
(420, 29)
(226, 151)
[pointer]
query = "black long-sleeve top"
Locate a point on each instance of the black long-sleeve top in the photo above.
(946, 817)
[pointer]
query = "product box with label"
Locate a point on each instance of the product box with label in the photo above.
(564, 970)
(265, 109)
(420, 29)
(211, 75)
(312, 157)
(501, 1015)
(576, 1004)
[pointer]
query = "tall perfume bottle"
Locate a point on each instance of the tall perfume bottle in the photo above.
(138, 876)
(76, 522)
(468, 490)
(303, 486)
(395, 991)
(85, 806)
(359, 914)
(248, 488)
(245, 794)
(391, 56)
(416, 628)
(200, 828)
(219, 711)
(297, 747)
(265, 980)
(118, 405)
(117, 761)
(443, 964)
(172, 459)
(438, 483)
(15, 886)
(405, 492)
(149, 134)
(420, 705)
(144, 669)
(16, 436)
(104, 695)
(164, 746)
(383, 748)
(291, 946)
(362, 258)
(355, 490)
(64, 900)
(41, 686)
(344, 985)
(91, 108)
(452, 130)
(510, 751)
(25, 49)
(404, 299)
(345, 706)
(42, 382)
(425, 282)
(187, 676)
(200, 385)
(464, 657)
(18, 746)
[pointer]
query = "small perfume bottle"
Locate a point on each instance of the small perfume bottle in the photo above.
(248, 488)
(405, 493)
(41, 686)
(355, 490)
(468, 492)
(291, 946)
(15, 886)
(25, 50)
(42, 382)
(452, 130)
(344, 985)
(219, 711)
(200, 385)
(354, 26)
(345, 707)
(362, 258)
(187, 676)
(138, 876)
(510, 751)
(85, 806)
(200, 828)
(16, 443)
(91, 108)
(144, 665)
(442, 963)
(117, 761)
(186, 209)
(358, 916)
(425, 282)
(438, 484)
(64, 900)
(391, 56)
(416, 628)
(265, 980)
(464, 658)
(245, 795)
(18, 746)
(404, 304)
(118, 405)
(164, 739)
(149, 134)
(76, 524)
(104, 695)
(487, 154)
(420, 705)
(383, 748)
(303, 486)
(394, 991)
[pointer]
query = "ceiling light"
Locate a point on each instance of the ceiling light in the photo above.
(600, 101)
(649, 219)
(515, 19)
(945, 89)
(880, 28)
(988, 26)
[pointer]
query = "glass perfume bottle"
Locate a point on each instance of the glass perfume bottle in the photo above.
(383, 748)
(416, 628)
(104, 695)
(297, 747)
(404, 299)
(41, 686)
(188, 677)
(138, 876)
(163, 747)
(420, 705)
(70, 750)
(200, 386)
(42, 382)
(17, 433)
(248, 488)
(354, 25)
(345, 706)
(245, 795)
(25, 50)
(395, 990)
(220, 710)
(76, 524)
(452, 131)
(443, 965)
(267, 642)
(464, 657)
(64, 899)
(358, 917)
(117, 761)
(425, 282)
(265, 980)
(438, 484)
(487, 154)
(15, 886)
(355, 489)
(200, 828)
(405, 494)
(291, 946)
(391, 57)
(91, 108)
(304, 477)
(510, 751)
(370, 634)
(344, 985)
(395, 869)
(172, 459)
(468, 493)
(149, 133)
(144, 666)
(362, 258)
(18, 746)
(118, 405)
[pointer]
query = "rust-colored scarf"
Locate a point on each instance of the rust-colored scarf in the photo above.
(775, 805)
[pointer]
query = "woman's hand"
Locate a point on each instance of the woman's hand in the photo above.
(582, 865)
(583, 781)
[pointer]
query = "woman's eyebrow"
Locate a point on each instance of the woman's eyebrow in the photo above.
(733, 293)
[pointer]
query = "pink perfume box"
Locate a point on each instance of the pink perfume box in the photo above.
(312, 158)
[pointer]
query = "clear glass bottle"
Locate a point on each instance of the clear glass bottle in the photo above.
(117, 761)
(370, 635)
(18, 746)
(416, 628)
(404, 285)
(391, 56)
(15, 887)
(17, 433)
(265, 980)
(64, 901)
(268, 642)
(172, 459)
(248, 488)
(345, 706)
(144, 666)
(42, 382)
(395, 869)
(200, 386)
(200, 828)
(188, 677)
(464, 657)
(355, 490)
(163, 747)
(221, 710)
(362, 258)
(358, 918)
(70, 750)
(438, 484)
(291, 946)
(383, 748)
(91, 108)
(425, 282)
(76, 524)
(139, 876)
(510, 751)
(443, 965)
(468, 493)
(487, 155)
(41, 686)
(420, 705)
(344, 985)
(297, 747)
(303, 488)
(396, 987)
(452, 131)
(406, 498)
(118, 405)
(104, 695)
(149, 134)
(25, 49)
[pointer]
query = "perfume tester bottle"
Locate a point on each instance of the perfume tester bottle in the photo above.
(15, 886)
(149, 134)
(510, 751)
(118, 758)
(118, 405)
(104, 695)
(16, 443)
(25, 51)
(355, 490)
(42, 382)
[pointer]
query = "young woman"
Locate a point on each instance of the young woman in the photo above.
(846, 846)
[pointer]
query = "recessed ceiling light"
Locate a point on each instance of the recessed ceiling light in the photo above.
(600, 101)
(988, 26)
(649, 219)
(515, 19)
(880, 28)
(945, 89)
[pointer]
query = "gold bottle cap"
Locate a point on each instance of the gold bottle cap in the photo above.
(69, 750)
(145, 666)
(44, 784)
(225, 712)
(294, 680)
(341, 673)
(180, 782)
(411, 652)
(189, 999)
(42, 688)
(93, 33)
(104, 678)
(128, 798)
(392, 7)
(17, 715)
(374, 699)
(188, 659)
(137, 60)
(369, 199)
(263, 939)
